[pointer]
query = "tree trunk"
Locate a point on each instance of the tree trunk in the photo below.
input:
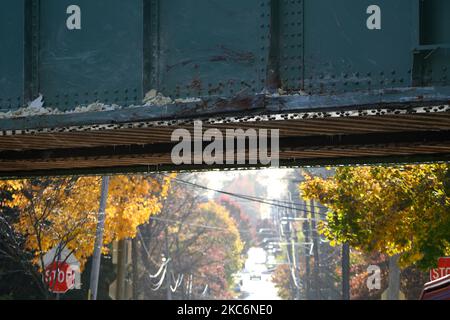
(394, 278)
(345, 271)
(316, 244)
(121, 266)
(169, 269)
(135, 267)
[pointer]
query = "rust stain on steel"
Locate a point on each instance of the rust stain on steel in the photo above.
(196, 84)
(233, 55)
(226, 55)
(243, 103)
(182, 64)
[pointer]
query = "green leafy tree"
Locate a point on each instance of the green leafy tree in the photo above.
(393, 210)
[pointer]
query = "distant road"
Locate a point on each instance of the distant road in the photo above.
(263, 289)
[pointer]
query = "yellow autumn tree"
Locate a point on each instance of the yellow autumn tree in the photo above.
(401, 210)
(63, 211)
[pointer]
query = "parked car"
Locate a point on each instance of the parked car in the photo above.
(437, 290)
(255, 276)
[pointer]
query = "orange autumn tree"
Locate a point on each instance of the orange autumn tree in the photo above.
(63, 211)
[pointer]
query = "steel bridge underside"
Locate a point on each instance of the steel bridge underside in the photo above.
(138, 140)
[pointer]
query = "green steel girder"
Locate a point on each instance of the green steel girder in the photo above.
(211, 49)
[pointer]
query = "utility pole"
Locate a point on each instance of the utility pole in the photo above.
(96, 258)
(316, 244)
(169, 269)
(189, 289)
(121, 269)
(58, 259)
(295, 253)
(290, 248)
(289, 238)
(345, 271)
(306, 232)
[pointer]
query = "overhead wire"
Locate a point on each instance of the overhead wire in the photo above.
(270, 202)
(177, 282)
(161, 281)
(205, 291)
(203, 226)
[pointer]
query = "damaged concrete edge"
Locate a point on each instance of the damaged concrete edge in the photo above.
(261, 107)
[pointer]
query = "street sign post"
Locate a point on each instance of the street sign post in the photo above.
(60, 277)
(442, 270)
(61, 271)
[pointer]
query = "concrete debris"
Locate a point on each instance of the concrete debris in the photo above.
(36, 107)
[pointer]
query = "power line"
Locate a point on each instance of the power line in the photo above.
(283, 202)
(269, 202)
(196, 225)
(246, 197)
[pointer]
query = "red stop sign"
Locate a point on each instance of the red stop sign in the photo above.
(442, 270)
(60, 277)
